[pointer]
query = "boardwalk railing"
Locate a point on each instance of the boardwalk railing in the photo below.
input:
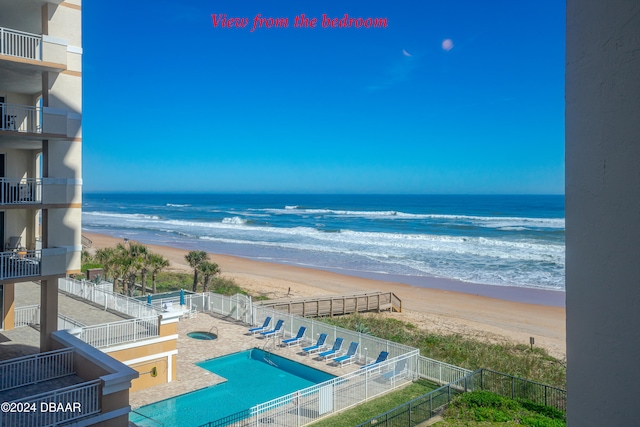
(331, 305)
(20, 118)
(107, 299)
(20, 264)
(125, 331)
(20, 191)
(35, 369)
(20, 44)
(27, 315)
(81, 400)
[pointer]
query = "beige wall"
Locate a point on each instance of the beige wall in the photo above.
(8, 311)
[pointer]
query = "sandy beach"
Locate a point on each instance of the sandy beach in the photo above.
(435, 309)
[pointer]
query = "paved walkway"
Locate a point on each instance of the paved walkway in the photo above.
(28, 293)
(232, 338)
(25, 340)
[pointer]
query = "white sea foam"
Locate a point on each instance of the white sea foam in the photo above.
(176, 205)
(117, 215)
(234, 220)
(482, 221)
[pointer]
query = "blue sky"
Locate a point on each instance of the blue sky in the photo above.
(451, 97)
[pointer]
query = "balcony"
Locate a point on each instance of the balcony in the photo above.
(20, 44)
(23, 263)
(34, 49)
(25, 191)
(20, 118)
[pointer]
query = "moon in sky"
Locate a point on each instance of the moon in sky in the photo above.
(405, 53)
(447, 44)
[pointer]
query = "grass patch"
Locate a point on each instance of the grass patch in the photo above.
(481, 408)
(374, 407)
(514, 359)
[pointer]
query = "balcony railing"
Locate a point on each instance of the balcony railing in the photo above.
(120, 332)
(23, 191)
(20, 44)
(21, 263)
(27, 315)
(20, 118)
(36, 368)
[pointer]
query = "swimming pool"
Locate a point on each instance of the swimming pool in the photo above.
(250, 380)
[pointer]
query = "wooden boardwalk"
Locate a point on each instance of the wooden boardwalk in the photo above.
(332, 305)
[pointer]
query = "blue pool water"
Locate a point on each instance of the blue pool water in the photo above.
(250, 381)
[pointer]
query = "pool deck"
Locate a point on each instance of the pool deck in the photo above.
(232, 338)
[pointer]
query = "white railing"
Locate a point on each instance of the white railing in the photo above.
(65, 322)
(237, 306)
(20, 118)
(109, 300)
(20, 191)
(81, 400)
(121, 332)
(27, 315)
(310, 404)
(20, 44)
(440, 372)
(35, 369)
(21, 263)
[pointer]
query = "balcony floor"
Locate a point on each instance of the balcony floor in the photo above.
(43, 387)
(28, 293)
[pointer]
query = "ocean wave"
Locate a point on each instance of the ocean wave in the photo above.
(118, 215)
(234, 220)
(482, 221)
(176, 205)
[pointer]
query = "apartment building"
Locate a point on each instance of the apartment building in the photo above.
(40, 219)
(40, 150)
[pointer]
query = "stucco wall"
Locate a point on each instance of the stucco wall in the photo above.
(603, 211)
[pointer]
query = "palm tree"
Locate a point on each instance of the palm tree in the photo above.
(140, 259)
(208, 269)
(122, 267)
(106, 257)
(195, 258)
(157, 263)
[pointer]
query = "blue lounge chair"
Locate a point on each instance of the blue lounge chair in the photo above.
(264, 326)
(297, 339)
(381, 358)
(349, 357)
(275, 331)
(319, 345)
(329, 354)
(399, 370)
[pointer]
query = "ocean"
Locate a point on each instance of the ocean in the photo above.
(496, 241)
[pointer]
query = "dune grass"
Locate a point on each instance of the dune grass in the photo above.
(367, 410)
(481, 408)
(471, 353)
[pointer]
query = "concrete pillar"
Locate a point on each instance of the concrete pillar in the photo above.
(603, 211)
(8, 296)
(48, 312)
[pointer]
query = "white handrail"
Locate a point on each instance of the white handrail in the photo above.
(20, 191)
(20, 118)
(21, 263)
(20, 44)
(30, 369)
(120, 332)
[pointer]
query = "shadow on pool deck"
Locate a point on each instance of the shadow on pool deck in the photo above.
(232, 338)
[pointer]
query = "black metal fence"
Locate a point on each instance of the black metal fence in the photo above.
(431, 404)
